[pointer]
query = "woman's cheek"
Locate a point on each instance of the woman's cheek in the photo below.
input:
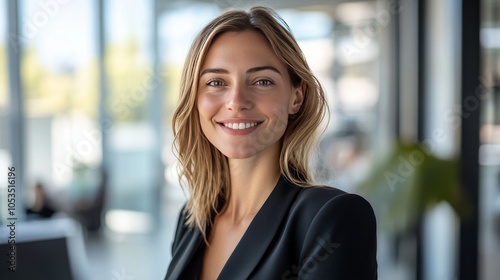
(208, 105)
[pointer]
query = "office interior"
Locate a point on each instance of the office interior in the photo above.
(88, 88)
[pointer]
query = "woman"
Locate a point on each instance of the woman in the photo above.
(245, 125)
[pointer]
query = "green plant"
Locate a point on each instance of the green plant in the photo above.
(408, 182)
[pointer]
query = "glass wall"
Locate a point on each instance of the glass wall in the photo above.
(488, 92)
(3, 64)
(343, 52)
(59, 78)
(132, 138)
(4, 99)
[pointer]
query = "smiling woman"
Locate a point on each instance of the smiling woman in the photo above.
(245, 125)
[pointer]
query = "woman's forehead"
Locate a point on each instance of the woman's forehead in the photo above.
(246, 48)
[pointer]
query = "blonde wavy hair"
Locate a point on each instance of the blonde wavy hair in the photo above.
(204, 169)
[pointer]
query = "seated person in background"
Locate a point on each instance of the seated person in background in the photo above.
(42, 206)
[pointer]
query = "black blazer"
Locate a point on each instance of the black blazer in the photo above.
(299, 233)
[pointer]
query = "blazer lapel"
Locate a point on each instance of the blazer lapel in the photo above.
(184, 253)
(260, 232)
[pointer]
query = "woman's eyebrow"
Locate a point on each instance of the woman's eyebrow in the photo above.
(262, 68)
(214, 70)
(249, 71)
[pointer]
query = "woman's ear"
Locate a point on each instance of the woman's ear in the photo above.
(297, 98)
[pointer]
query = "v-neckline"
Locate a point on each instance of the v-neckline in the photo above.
(252, 245)
(209, 232)
(259, 229)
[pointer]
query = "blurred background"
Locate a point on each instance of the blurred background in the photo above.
(88, 88)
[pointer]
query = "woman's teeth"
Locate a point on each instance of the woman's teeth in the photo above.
(240, 125)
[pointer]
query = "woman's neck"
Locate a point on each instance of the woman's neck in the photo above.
(252, 181)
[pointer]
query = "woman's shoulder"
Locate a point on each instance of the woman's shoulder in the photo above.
(337, 228)
(318, 196)
(330, 203)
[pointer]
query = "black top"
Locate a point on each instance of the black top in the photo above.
(299, 233)
(193, 270)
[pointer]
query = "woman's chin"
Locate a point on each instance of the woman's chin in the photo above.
(238, 154)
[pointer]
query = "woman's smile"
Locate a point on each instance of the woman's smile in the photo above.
(239, 127)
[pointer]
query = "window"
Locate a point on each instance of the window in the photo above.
(489, 151)
(59, 77)
(4, 102)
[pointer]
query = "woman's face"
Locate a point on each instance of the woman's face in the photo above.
(245, 95)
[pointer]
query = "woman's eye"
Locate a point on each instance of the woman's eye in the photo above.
(264, 83)
(215, 83)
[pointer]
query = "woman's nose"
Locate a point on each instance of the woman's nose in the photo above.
(238, 99)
